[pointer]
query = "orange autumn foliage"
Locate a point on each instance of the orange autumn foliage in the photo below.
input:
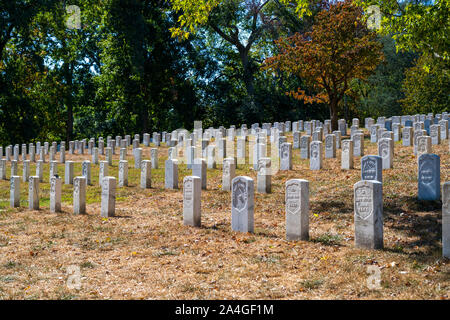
(339, 48)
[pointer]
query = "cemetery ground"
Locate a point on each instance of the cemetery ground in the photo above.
(145, 251)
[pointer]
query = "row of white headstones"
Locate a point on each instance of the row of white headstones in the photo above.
(368, 193)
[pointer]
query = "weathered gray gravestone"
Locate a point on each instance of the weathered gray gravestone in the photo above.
(417, 134)
(53, 169)
(103, 171)
(33, 193)
(25, 170)
(68, 174)
(154, 157)
(52, 153)
(407, 136)
(286, 156)
(211, 157)
(14, 168)
(32, 153)
(15, 191)
(228, 173)
(190, 156)
(429, 177)
(123, 173)
(337, 134)
(446, 219)
(95, 155)
(199, 170)
(372, 168)
(347, 155)
(171, 174)
(192, 191)
(264, 175)
(330, 146)
(315, 161)
(137, 158)
(146, 174)
(62, 154)
(423, 145)
(3, 169)
(435, 134)
(108, 153)
(242, 204)
(296, 138)
(55, 193)
(385, 148)
(368, 206)
(241, 152)
(374, 133)
(444, 129)
(358, 144)
(297, 209)
(86, 171)
(79, 195)
(108, 206)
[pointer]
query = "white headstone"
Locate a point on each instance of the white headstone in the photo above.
(26, 170)
(242, 204)
(264, 176)
(108, 206)
(123, 173)
(385, 148)
(171, 174)
(154, 157)
(68, 174)
(347, 155)
(192, 201)
(33, 193)
(103, 171)
(297, 209)
(368, 206)
(286, 156)
(315, 161)
(228, 173)
(55, 193)
(79, 195)
(86, 171)
(15, 191)
(146, 174)
(446, 220)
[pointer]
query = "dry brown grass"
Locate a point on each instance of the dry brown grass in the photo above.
(146, 252)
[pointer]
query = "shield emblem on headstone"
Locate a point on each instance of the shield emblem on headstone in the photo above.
(239, 195)
(188, 192)
(293, 198)
(363, 202)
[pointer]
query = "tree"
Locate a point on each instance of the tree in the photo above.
(338, 49)
(426, 87)
(417, 25)
(380, 95)
(142, 81)
(249, 27)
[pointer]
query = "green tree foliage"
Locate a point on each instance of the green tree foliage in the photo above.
(426, 87)
(381, 93)
(338, 49)
(419, 25)
(142, 79)
(132, 68)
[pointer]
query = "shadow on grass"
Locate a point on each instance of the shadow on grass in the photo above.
(335, 206)
(416, 218)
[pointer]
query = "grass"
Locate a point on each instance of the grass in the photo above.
(146, 252)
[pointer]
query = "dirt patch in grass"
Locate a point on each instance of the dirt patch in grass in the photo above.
(145, 252)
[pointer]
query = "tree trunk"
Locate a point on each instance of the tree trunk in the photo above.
(69, 102)
(248, 74)
(145, 120)
(334, 114)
